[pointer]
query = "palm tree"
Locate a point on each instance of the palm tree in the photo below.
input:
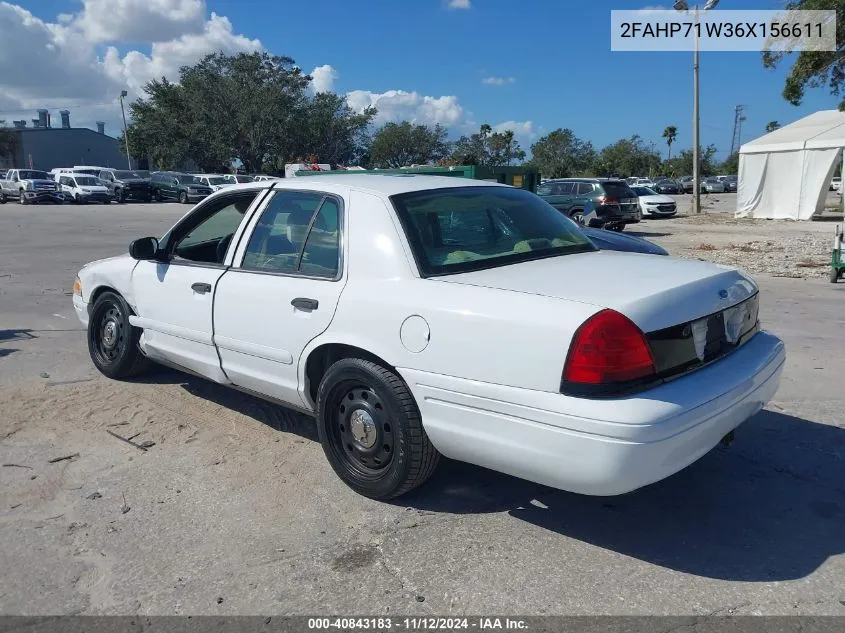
(771, 126)
(670, 134)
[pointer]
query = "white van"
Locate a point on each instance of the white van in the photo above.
(215, 181)
(82, 188)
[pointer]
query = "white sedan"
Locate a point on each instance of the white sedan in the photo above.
(653, 203)
(418, 316)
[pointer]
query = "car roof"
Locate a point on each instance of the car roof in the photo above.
(385, 185)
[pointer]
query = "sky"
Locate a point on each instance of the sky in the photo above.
(528, 66)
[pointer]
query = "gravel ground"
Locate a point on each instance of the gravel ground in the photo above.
(234, 509)
(780, 248)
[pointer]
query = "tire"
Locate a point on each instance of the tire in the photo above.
(834, 274)
(77, 199)
(120, 196)
(618, 228)
(114, 348)
(158, 196)
(400, 458)
(578, 216)
(2, 198)
(183, 197)
(22, 198)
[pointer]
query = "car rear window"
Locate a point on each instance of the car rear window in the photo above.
(459, 229)
(618, 190)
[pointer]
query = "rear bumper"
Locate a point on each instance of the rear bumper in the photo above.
(598, 447)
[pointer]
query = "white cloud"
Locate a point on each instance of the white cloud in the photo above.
(460, 4)
(140, 20)
(497, 81)
(399, 105)
(524, 131)
(323, 78)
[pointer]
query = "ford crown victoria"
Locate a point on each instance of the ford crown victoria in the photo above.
(417, 316)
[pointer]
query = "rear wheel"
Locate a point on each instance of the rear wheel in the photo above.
(112, 340)
(183, 197)
(158, 196)
(835, 274)
(371, 430)
(578, 216)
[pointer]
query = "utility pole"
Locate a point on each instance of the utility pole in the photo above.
(123, 93)
(736, 140)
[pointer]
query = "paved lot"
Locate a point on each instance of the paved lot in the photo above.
(235, 510)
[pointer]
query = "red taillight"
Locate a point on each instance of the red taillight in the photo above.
(608, 348)
(606, 200)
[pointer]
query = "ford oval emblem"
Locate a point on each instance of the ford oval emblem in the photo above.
(723, 293)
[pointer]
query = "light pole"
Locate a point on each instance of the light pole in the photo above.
(681, 5)
(123, 93)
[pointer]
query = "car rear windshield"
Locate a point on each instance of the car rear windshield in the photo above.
(618, 189)
(460, 229)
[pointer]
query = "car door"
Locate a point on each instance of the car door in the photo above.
(281, 291)
(173, 295)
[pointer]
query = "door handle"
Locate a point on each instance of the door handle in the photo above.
(305, 304)
(201, 288)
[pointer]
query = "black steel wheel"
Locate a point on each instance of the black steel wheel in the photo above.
(371, 430)
(112, 340)
(183, 197)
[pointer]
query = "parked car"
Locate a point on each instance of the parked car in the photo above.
(836, 183)
(169, 185)
(597, 202)
(666, 186)
(237, 179)
(215, 182)
(30, 186)
(712, 185)
(653, 203)
(263, 177)
(83, 188)
(643, 182)
(373, 304)
(126, 185)
(729, 182)
(625, 242)
(687, 184)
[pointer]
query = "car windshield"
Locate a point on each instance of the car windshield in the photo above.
(86, 181)
(243, 178)
(189, 180)
(644, 191)
(461, 229)
(32, 174)
(217, 180)
(122, 175)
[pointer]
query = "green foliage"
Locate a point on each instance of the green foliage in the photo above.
(8, 141)
(251, 107)
(814, 69)
(771, 126)
(670, 134)
(681, 165)
(402, 144)
(561, 154)
(628, 157)
(486, 147)
(731, 165)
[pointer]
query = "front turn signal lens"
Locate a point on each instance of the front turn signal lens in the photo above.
(77, 287)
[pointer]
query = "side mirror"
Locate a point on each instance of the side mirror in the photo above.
(144, 248)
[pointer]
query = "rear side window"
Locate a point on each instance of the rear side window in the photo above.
(459, 229)
(618, 190)
(584, 188)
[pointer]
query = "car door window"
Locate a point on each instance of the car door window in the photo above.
(206, 237)
(566, 188)
(281, 241)
(584, 188)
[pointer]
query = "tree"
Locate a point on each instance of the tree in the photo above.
(670, 134)
(814, 69)
(731, 165)
(682, 164)
(628, 157)
(333, 132)
(487, 147)
(561, 154)
(402, 144)
(771, 126)
(8, 142)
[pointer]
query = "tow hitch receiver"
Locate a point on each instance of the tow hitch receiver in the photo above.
(727, 440)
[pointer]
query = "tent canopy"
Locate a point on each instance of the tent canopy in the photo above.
(785, 174)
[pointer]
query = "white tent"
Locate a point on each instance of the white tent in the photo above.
(785, 174)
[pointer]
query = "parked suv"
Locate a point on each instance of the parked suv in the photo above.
(597, 202)
(172, 185)
(125, 185)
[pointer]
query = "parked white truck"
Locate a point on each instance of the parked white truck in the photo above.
(30, 186)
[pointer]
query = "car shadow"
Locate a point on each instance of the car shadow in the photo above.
(771, 507)
(637, 233)
(16, 335)
(6, 351)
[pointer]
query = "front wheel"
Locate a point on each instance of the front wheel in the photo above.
(158, 196)
(835, 273)
(112, 340)
(371, 430)
(120, 196)
(183, 197)
(2, 198)
(618, 228)
(23, 199)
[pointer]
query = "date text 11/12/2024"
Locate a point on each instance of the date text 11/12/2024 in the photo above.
(416, 624)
